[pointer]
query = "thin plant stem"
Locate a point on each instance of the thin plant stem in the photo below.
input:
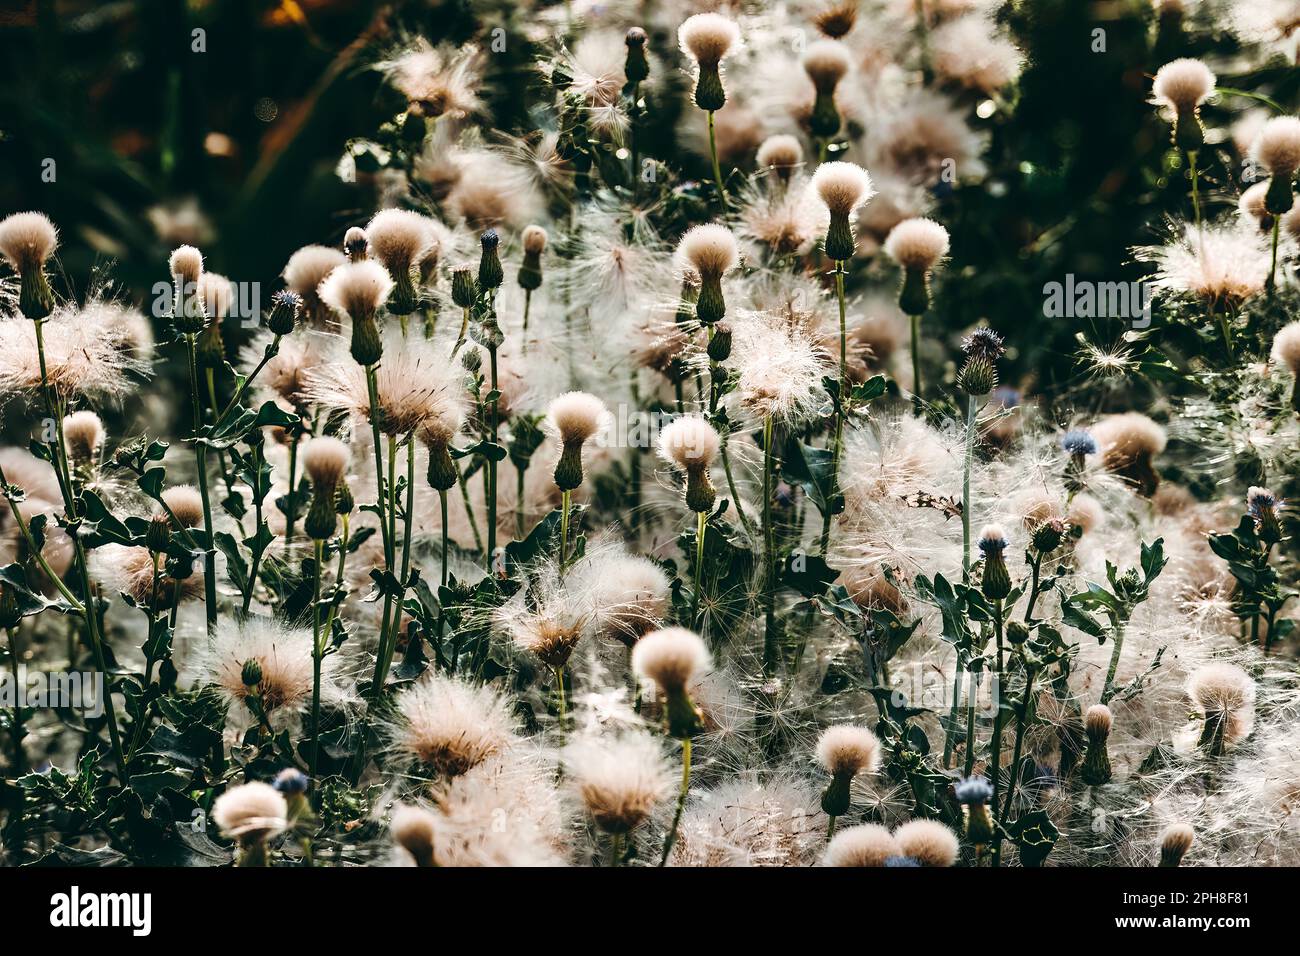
(564, 529)
(971, 415)
(701, 520)
(1196, 189)
(995, 746)
(1117, 640)
(201, 464)
(442, 502)
(717, 170)
(559, 694)
(1022, 718)
(520, 472)
(735, 495)
(291, 500)
(769, 557)
(681, 801)
(971, 687)
(492, 469)
(916, 362)
(952, 713)
(1272, 272)
(316, 656)
(16, 728)
(840, 406)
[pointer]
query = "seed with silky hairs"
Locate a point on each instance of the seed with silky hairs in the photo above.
(917, 245)
(186, 265)
(825, 62)
(1183, 85)
(672, 657)
(845, 751)
(710, 251)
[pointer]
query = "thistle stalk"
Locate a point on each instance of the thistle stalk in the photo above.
(717, 170)
(316, 657)
(769, 557)
(972, 415)
(201, 463)
(681, 800)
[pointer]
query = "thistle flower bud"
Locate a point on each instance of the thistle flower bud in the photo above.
(973, 794)
(83, 432)
(251, 672)
(436, 436)
(1017, 633)
(977, 377)
(356, 244)
(844, 752)
(1183, 85)
(672, 657)
(825, 62)
(708, 38)
(1277, 149)
(325, 460)
(159, 534)
(285, 308)
(1175, 841)
(636, 68)
(464, 288)
(1096, 762)
(842, 188)
(720, 343)
(27, 240)
(917, 245)
(710, 251)
(996, 582)
(291, 782)
(490, 274)
(1263, 506)
(574, 417)
(188, 314)
(471, 360)
(530, 271)
(344, 502)
(691, 444)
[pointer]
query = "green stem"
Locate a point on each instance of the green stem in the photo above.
(201, 464)
(701, 520)
(291, 499)
(916, 362)
(970, 722)
(492, 470)
(1022, 718)
(769, 557)
(559, 694)
(16, 728)
(841, 406)
(735, 495)
(971, 415)
(564, 529)
(681, 801)
(316, 658)
(717, 170)
(1272, 272)
(1108, 689)
(995, 747)
(1196, 192)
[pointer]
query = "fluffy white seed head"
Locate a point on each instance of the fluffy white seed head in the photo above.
(782, 151)
(414, 829)
(619, 781)
(928, 842)
(307, 269)
(869, 844)
(1085, 513)
(1182, 84)
(689, 443)
(1251, 202)
(1286, 346)
(847, 749)
(217, 293)
(356, 289)
(27, 239)
(576, 416)
(671, 657)
(186, 503)
(630, 594)
(283, 655)
(84, 433)
(1277, 148)
(709, 249)
(534, 239)
(399, 238)
(1097, 720)
(449, 725)
(708, 37)
(842, 187)
(1128, 436)
(251, 812)
(917, 243)
(186, 264)
(1221, 688)
(326, 460)
(826, 62)
(993, 534)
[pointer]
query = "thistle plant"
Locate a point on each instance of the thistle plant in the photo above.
(978, 376)
(708, 38)
(917, 245)
(1277, 150)
(1182, 86)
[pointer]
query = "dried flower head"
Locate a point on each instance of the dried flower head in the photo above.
(576, 416)
(709, 250)
(131, 571)
(1182, 84)
(826, 62)
(847, 749)
(283, 656)
(326, 461)
(917, 243)
(27, 240)
(689, 443)
(782, 152)
(672, 657)
(415, 830)
(186, 265)
(621, 780)
(630, 595)
(84, 433)
(842, 187)
(1286, 347)
(356, 289)
(708, 37)
(93, 352)
(449, 725)
(306, 270)
(437, 81)
(534, 239)
(186, 503)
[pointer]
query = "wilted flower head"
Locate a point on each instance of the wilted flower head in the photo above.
(710, 250)
(782, 152)
(969, 52)
(185, 502)
(93, 352)
(689, 442)
(621, 780)
(1175, 840)
(826, 62)
(130, 570)
(630, 595)
(449, 725)
(1224, 264)
(84, 433)
(778, 367)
